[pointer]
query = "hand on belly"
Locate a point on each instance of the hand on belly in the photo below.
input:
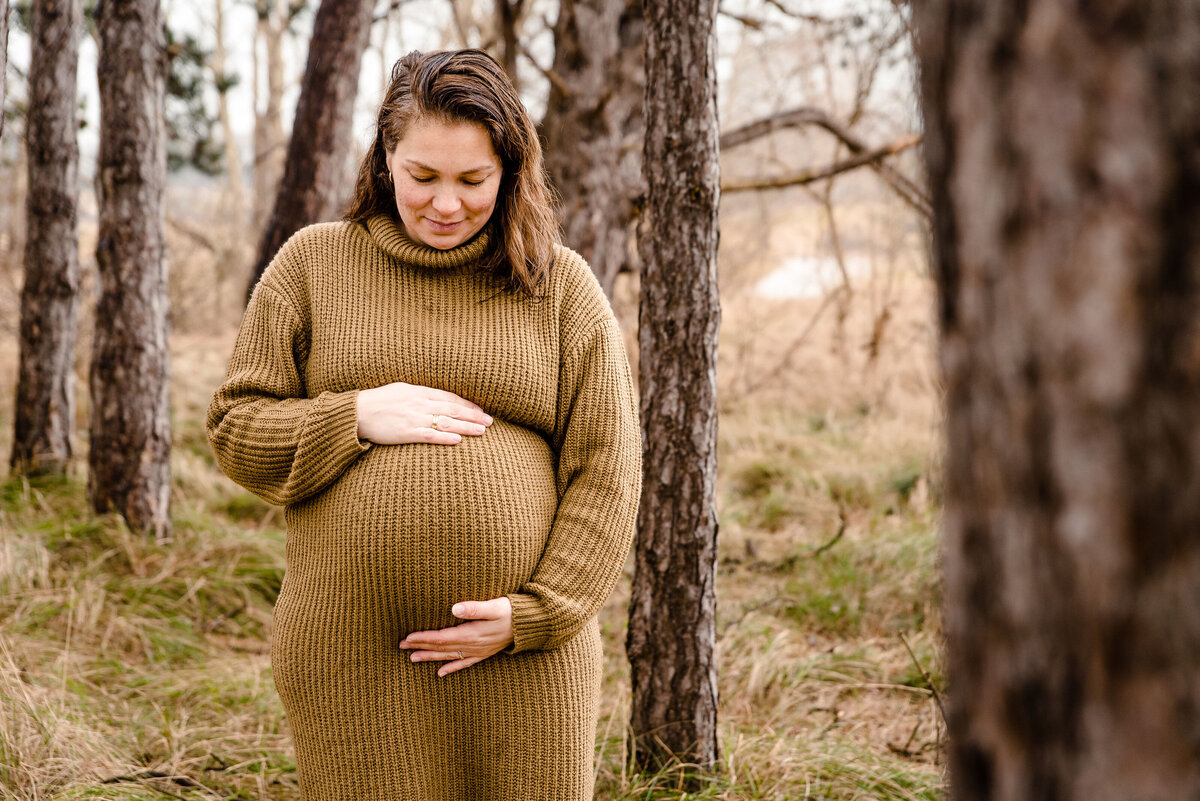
(488, 633)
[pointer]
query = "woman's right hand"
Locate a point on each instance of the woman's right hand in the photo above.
(396, 413)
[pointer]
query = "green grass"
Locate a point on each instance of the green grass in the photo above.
(130, 670)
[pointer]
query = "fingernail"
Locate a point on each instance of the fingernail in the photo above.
(488, 417)
(457, 609)
(415, 658)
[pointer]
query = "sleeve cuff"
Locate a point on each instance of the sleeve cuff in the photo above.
(531, 628)
(340, 422)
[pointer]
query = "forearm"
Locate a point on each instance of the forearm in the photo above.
(284, 449)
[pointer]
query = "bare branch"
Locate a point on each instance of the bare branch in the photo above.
(551, 75)
(752, 23)
(814, 18)
(392, 8)
(809, 176)
(908, 191)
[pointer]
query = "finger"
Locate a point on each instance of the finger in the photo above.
(458, 664)
(476, 610)
(427, 639)
(434, 656)
(437, 436)
(462, 411)
(456, 400)
(450, 639)
(454, 419)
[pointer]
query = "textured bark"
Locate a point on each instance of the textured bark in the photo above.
(130, 417)
(314, 170)
(594, 130)
(45, 404)
(1063, 144)
(672, 636)
(270, 141)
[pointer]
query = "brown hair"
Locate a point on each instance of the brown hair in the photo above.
(470, 86)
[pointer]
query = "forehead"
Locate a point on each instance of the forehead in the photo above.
(447, 146)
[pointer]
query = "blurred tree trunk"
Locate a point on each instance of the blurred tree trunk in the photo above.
(270, 141)
(508, 16)
(130, 416)
(45, 402)
(594, 129)
(1063, 145)
(3, 58)
(233, 154)
(321, 134)
(672, 635)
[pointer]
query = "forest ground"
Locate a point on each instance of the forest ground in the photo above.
(135, 671)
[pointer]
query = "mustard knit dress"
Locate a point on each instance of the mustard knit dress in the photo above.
(383, 539)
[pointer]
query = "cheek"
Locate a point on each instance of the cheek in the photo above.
(480, 203)
(412, 197)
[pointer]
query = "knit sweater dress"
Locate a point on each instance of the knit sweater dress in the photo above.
(383, 539)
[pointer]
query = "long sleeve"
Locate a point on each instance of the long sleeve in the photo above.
(268, 436)
(599, 477)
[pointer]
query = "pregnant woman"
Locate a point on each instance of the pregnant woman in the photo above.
(438, 393)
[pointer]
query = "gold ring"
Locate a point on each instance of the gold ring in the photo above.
(435, 419)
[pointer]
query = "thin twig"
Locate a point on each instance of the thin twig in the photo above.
(836, 537)
(937, 697)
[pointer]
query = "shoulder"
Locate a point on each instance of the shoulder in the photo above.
(290, 270)
(581, 302)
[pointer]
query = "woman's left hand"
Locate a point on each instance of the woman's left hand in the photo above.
(489, 632)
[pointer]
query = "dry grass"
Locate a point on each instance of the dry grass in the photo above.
(130, 671)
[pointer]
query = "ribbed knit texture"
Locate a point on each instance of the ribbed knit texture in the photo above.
(383, 539)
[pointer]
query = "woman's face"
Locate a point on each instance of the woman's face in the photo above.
(446, 177)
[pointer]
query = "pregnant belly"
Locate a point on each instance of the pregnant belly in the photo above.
(409, 530)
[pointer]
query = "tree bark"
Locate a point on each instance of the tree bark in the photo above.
(130, 416)
(594, 129)
(45, 403)
(672, 636)
(322, 133)
(1063, 146)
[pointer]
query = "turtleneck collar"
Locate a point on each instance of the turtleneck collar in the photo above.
(391, 239)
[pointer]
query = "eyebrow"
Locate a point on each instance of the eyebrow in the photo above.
(427, 168)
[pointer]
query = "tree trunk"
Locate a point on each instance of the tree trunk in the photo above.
(233, 154)
(270, 142)
(594, 129)
(321, 134)
(3, 59)
(508, 16)
(45, 403)
(1063, 145)
(672, 636)
(130, 425)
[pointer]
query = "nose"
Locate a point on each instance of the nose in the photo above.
(446, 202)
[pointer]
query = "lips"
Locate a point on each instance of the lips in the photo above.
(442, 226)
